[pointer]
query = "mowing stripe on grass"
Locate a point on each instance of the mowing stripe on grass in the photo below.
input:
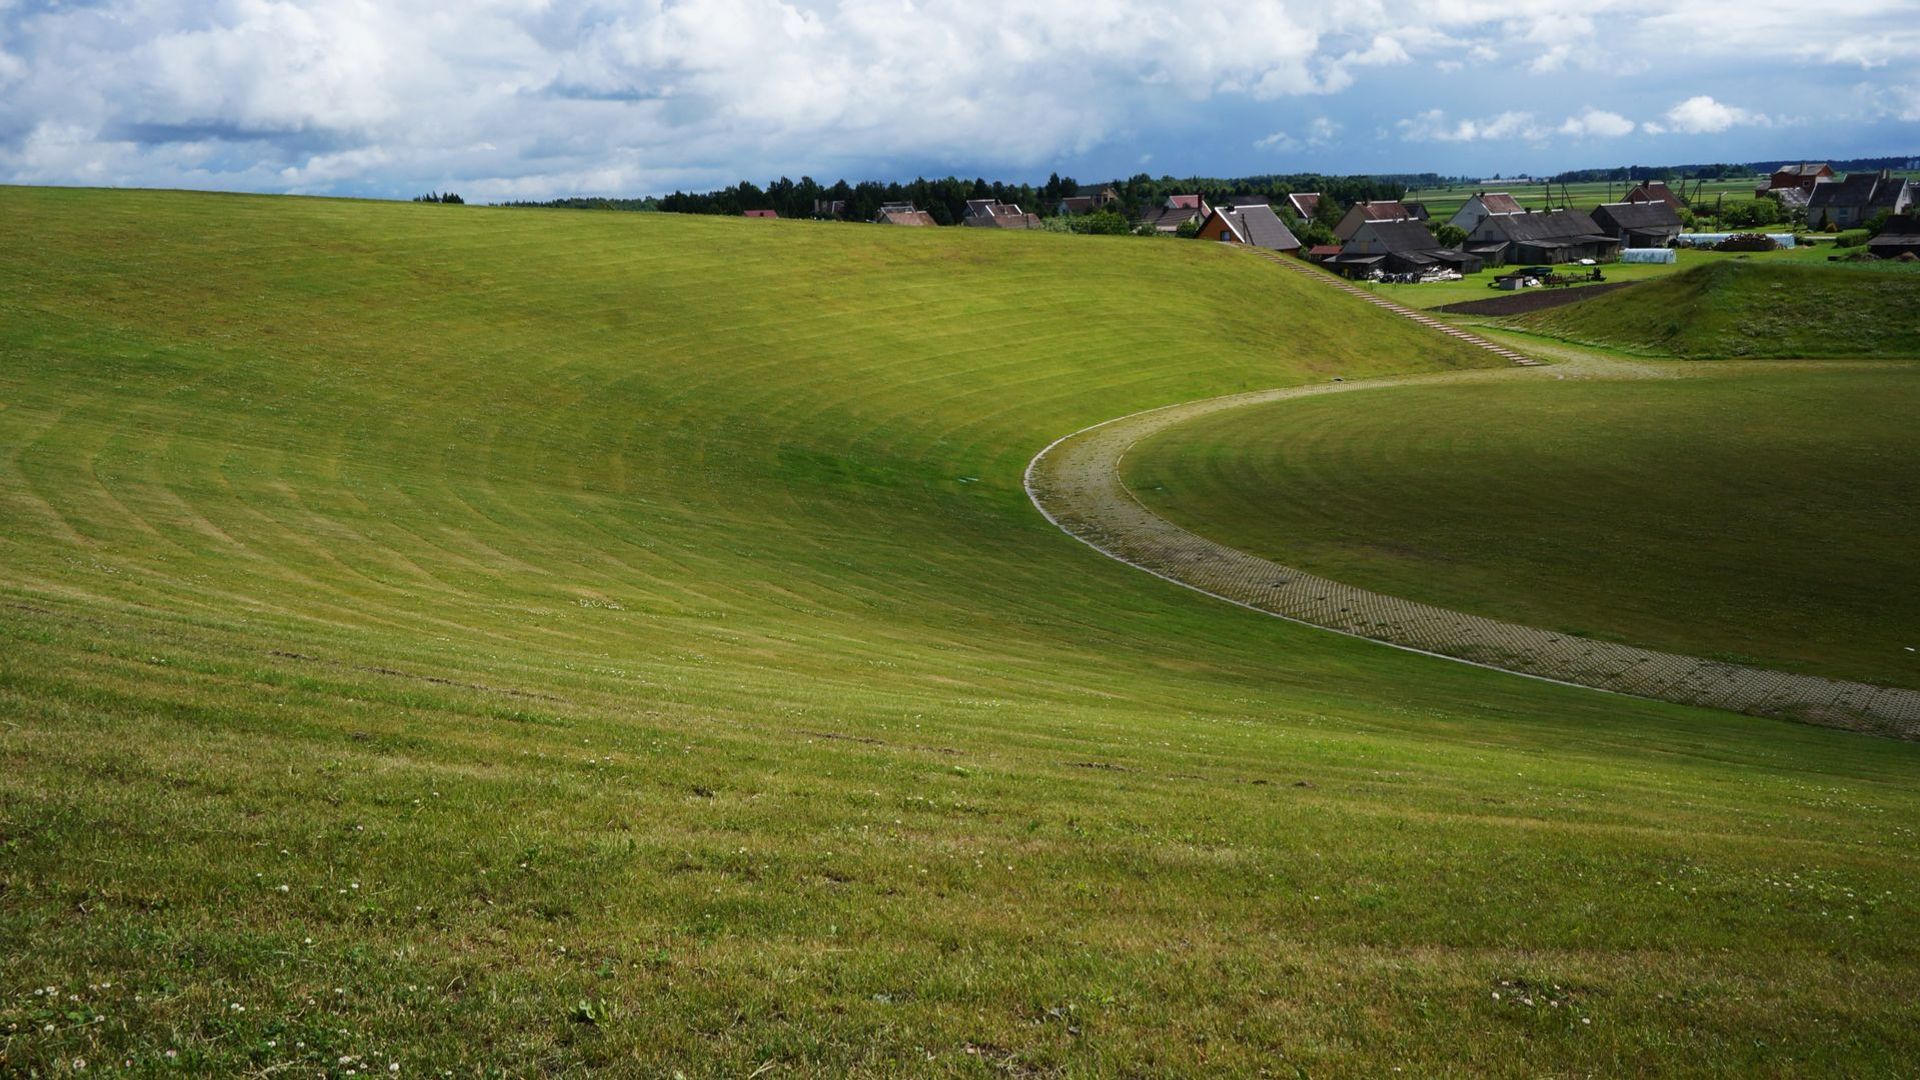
(1075, 482)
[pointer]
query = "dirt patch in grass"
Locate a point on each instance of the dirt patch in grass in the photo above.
(1520, 303)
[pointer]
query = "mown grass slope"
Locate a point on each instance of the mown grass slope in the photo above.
(489, 641)
(1758, 514)
(1751, 308)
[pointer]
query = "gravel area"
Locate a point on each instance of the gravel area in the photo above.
(1076, 483)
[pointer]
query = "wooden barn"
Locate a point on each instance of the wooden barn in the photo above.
(1401, 246)
(1638, 225)
(1548, 236)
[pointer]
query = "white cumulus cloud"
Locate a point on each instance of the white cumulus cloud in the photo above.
(1597, 123)
(1435, 125)
(1702, 115)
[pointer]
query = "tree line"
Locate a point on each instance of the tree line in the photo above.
(946, 198)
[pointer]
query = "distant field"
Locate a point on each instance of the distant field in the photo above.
(1759, 307)
(1444, 202)
(528, 643)
(1759, 514)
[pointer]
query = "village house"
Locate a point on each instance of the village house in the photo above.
(902, 214)
(1654, 191)
(1480, 205)
(1086, 200)
(1365, 211)
(1176, 211)
(1549, 236)
(1417, 211)
(1900, 236)
(1638, 225)
(1398, 246)
(987, 214)
(760, 214)
(1857, 199)
(1304, 203)
(1254, 224)
(1800, 177)
(830, 208)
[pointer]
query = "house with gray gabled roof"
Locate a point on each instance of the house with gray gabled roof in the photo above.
(1480, 205)
(1855, 200)
(1638, 225)
(1399, 246)
(1255, 225)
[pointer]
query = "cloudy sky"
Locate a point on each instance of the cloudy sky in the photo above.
(534, 98)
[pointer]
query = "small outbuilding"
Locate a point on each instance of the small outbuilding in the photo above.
(1900, 236)
(760, 214)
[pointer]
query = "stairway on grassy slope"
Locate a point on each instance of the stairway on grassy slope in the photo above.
(1405, 312)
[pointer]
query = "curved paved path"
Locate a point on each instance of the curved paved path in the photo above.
(1076, 483)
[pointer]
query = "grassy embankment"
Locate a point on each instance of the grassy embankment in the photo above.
(1751, 309)
(1764, 516)
(1479, 286)
(485, 640)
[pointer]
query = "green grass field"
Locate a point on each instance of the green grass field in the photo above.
(1757, 308)
(1814, 252)
(495, 642)
(1763, 514)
